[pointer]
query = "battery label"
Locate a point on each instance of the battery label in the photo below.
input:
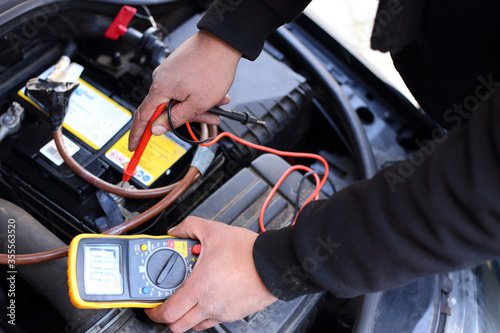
(161, 153)
(92, 116)
(50, 150)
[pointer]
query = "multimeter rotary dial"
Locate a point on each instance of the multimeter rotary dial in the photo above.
(166, 268)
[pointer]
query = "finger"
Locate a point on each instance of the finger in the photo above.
(225, 100)
(193, 318)
(180, 113)
(183, 112)
(192, 227)
(175, 307)
(141, 118)
(209, 118)
(161, 124)
(206, 324)
(206, 118)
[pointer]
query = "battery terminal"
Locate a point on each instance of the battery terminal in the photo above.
(10, 121)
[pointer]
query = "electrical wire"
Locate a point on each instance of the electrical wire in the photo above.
(151, 18)
(211, 141)
(297, 199)
(190, 130)
(103, 185)
(279, 153)
(314, 195)
(144, 17)
(298, 207)
(177, 134)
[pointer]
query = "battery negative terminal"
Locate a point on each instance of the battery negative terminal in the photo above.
(10, 121)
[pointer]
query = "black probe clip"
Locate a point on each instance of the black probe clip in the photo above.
(243, 117)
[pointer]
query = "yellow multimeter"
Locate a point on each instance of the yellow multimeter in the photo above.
(138, 271)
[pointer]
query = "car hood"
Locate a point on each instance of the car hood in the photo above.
(12, 9)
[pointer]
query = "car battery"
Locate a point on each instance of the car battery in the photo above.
(95, 133)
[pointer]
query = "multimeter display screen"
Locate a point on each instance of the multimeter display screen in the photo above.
(102, 267)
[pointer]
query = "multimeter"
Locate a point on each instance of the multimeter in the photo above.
(137, 271)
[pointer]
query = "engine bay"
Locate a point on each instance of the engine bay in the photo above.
(289, 87)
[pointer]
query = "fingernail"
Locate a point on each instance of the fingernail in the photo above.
(159, 130)
(170, 230)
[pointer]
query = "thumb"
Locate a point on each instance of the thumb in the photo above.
(225, 100)
(192, 227)
(141, 118)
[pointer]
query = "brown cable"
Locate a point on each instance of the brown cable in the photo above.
(33, 258)
(178, 188)
(103, 185)
(204, 131)
(213, 131)
(182, 186)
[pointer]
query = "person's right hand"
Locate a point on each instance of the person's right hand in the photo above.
(198, 74)
(224, 285)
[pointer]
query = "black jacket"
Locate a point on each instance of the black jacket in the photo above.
(437, 212)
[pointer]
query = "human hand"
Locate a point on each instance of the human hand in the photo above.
(198, 74)
(224, 285)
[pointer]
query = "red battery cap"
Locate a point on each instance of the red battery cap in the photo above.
(119, 25)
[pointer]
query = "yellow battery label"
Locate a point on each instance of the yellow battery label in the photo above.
(92, 116)
(160, 154)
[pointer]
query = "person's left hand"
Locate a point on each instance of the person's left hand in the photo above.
(224, 285)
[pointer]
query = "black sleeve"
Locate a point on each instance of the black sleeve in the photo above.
(436, 212)
(245, 24)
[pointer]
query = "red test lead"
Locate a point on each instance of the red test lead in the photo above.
(130, 169)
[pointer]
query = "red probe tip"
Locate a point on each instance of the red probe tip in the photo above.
(128, 174)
